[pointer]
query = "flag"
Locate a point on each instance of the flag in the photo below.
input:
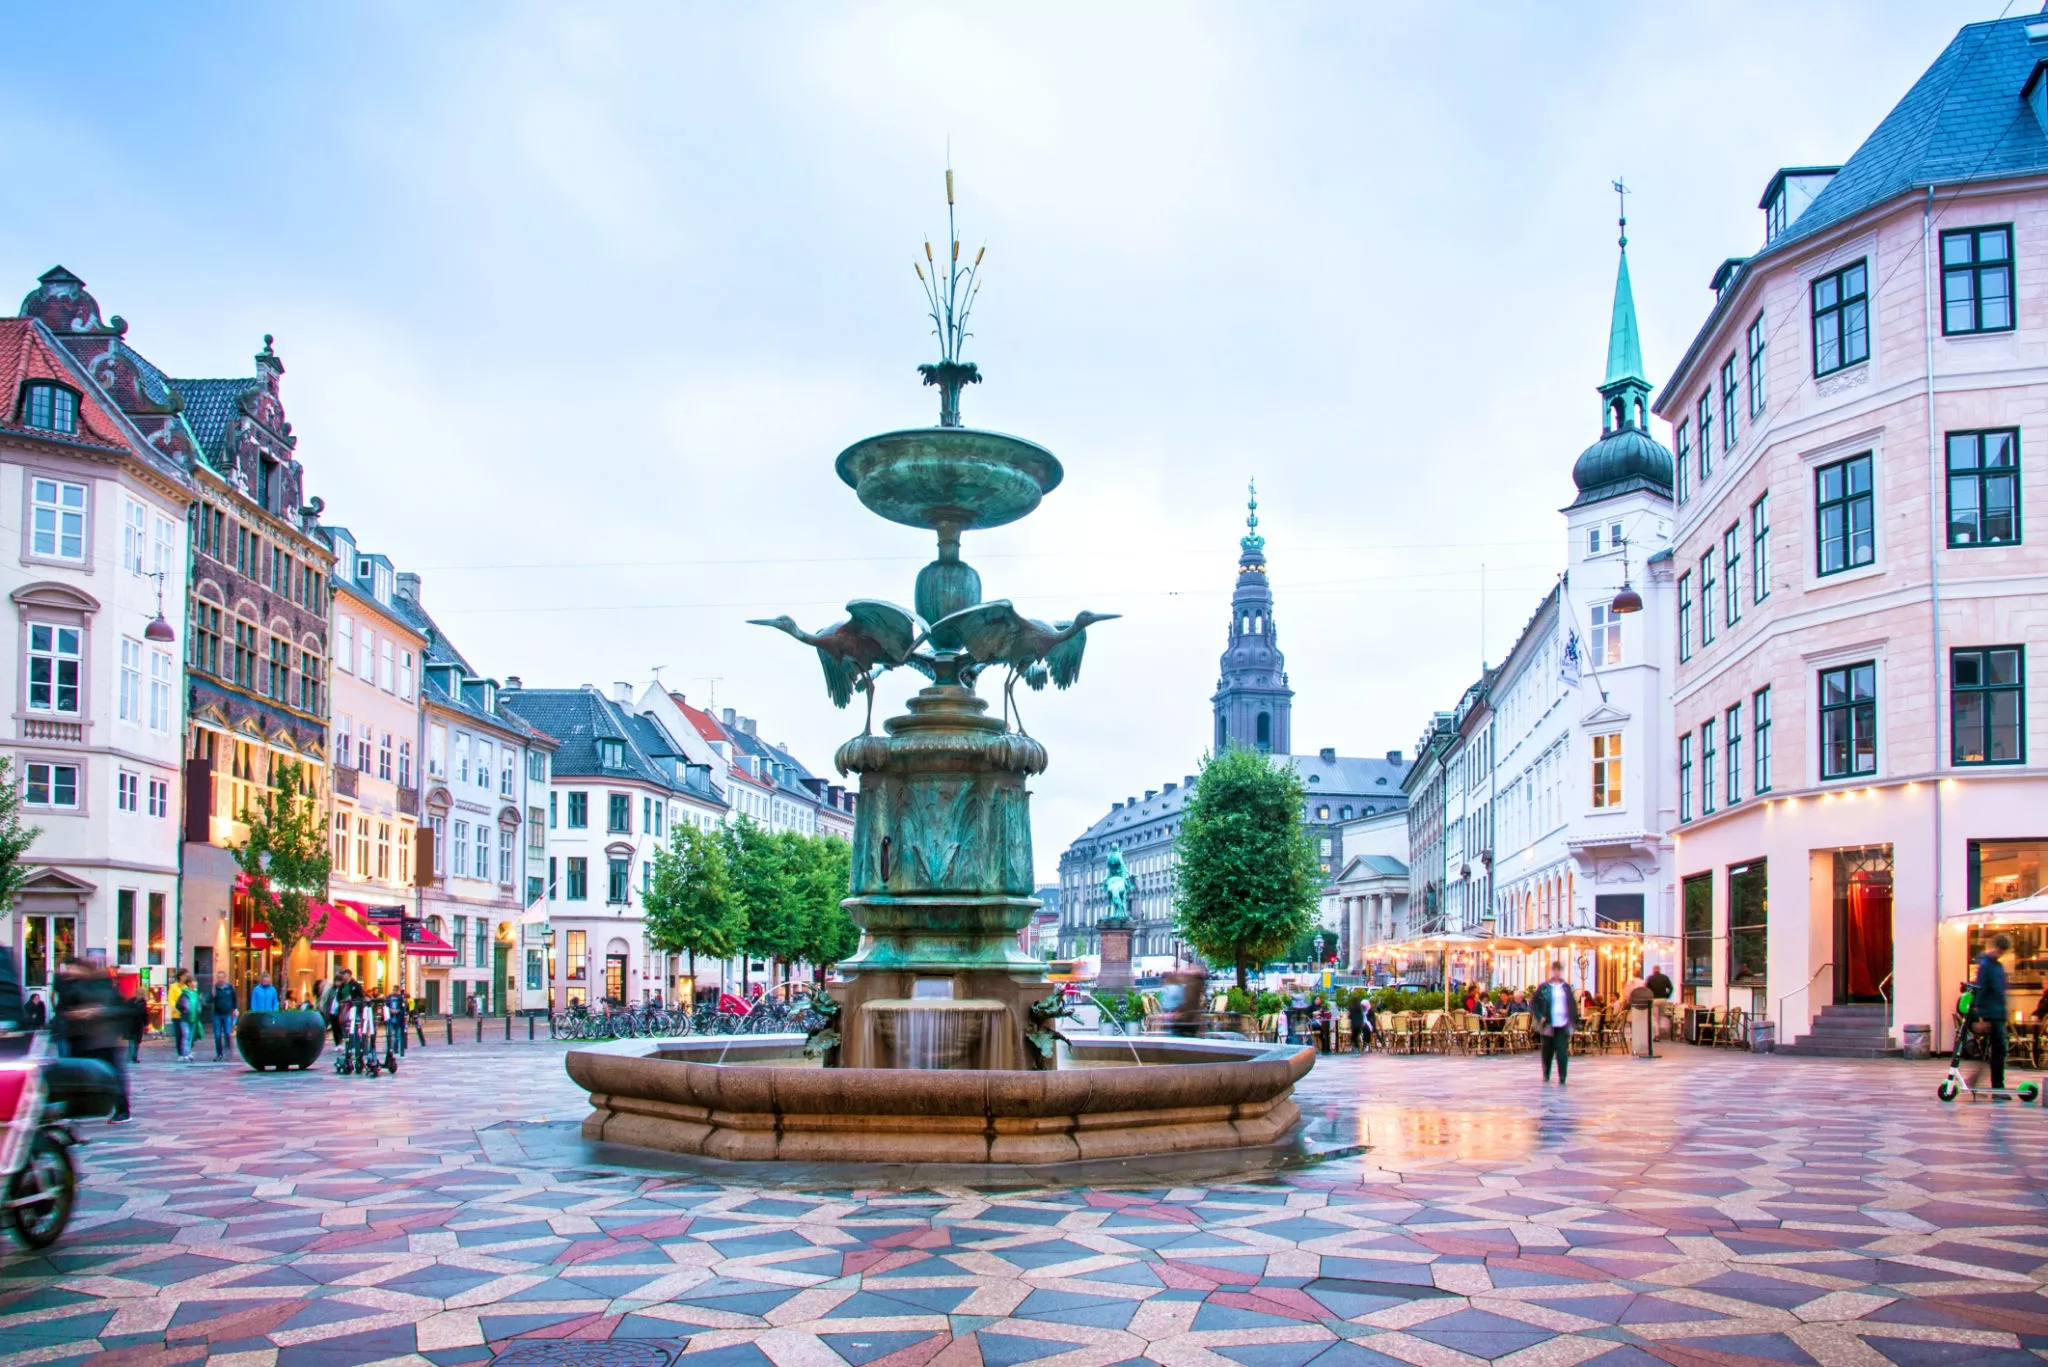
(1568, 664)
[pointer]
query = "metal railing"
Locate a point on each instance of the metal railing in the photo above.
(1887, 1000)
(1796, 991)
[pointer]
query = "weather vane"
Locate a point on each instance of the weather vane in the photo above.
(1621, 193)
(949, 293)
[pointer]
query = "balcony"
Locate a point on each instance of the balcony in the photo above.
(50, 729)
(344, 782)
(409, 801)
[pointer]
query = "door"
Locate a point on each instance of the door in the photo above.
(433, 996)
(1863, 924)
(615, 977)
(47, 941)
(501, 976)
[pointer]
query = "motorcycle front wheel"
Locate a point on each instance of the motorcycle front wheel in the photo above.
(40, 1196)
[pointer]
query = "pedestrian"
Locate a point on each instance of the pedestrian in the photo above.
(1556, 1013)
(338, 994)
(263, 997)
(225, 1005)
(394, 1024)
(1987, 1010)
(1361, 1031)
(35, 1015)
(92, 1021)
(188, 1015)
(136, 1022)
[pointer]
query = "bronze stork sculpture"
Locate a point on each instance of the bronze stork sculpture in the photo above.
(997, 634)
(876, 636)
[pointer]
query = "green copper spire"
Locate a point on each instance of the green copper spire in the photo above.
(1624, 342)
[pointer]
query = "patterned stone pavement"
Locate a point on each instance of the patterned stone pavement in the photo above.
(1700, 1210)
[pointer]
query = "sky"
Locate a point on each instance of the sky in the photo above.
(578, 304)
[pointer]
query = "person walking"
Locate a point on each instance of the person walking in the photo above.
(225, 1006)
(336, 996)
(136, 1022)
(188, 1015)
(1556, 1013)
(1660, 1001)
(35, 1015)
(1987, 1010)
(263, 997)
(92, 1020)
(394, 1025)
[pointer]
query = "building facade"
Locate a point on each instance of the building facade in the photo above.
(1860, 569)
(97, 583)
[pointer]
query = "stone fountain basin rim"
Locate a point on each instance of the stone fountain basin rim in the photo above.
(1242, 1072)
(1016, 457)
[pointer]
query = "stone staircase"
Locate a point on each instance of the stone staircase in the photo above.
(1846, 1031)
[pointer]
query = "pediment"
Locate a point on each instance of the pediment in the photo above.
(57, 880)
(49, 594)
(1606, 714)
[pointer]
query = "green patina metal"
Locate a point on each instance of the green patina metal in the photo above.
(942, 868)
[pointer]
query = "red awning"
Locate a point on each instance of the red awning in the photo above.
(343, 933)
(430, 946)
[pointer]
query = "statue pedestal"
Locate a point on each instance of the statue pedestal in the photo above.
(1115, 975)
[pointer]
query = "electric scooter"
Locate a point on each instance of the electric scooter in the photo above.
(1956, 1085)
(39, 1096)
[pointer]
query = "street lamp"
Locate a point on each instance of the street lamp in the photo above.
(1319, 949)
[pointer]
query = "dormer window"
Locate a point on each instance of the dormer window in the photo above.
(49, 408)
(611, 754)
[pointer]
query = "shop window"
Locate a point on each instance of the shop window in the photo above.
(1698, 897)
(1748, 924)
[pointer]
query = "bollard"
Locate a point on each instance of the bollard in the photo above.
(529, 1027)
(508, 1027)
(419, 1027)
(551, 1025)
(479, 1029)
(449, 1021)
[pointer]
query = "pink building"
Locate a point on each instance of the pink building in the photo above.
(1861, 571)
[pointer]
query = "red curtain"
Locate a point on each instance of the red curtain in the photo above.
(1869, 935)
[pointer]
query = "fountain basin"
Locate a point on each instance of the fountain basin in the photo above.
(1178, 1096)
(954, 476)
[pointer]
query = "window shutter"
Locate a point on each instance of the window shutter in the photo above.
(423, 857)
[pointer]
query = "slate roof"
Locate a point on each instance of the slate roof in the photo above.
(211, 407)
(1373, 780)
(578, 718)
(1964, 120)
(1372, 866)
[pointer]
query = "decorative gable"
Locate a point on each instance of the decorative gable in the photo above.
(1605, 715)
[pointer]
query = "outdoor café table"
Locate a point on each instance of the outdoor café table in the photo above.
(1693, 1016)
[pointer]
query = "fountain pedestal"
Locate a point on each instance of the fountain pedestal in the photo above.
(1115, 973)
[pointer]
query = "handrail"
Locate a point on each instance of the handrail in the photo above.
(1887, 999)
(1796, 991)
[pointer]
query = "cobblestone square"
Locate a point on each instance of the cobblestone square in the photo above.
(1705, 1209)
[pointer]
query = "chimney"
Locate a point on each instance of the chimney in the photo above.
(409, 585)
(1116, 806)
(731, 722)
(1393, 756)
(1169, 787)
(1329, 754)
(512, 682)
(1188, 779)
(622, 693)
(747, 725)
(1151, 793)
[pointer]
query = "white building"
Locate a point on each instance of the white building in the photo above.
(98, 576)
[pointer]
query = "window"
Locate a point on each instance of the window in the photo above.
(344, 644)
(1848, 721)
(206, 637)
(387, 668)
(1685, 616)
(51, 785)
(384, 851)
(362, 847)
(647, 815)
(536, 767)
(405, 764)
(579, 952)
(437, 750)
(1703, 414)
(280, 669)
(536, 829)
(1748, 923)
(57, 519)
(1606, 636)
(579, 880)
(1845, 511)
(462, 849)
(405, 675)
(164, 546)
(1729, 406)
(1731, 572)
(1760, 549)
(579, 811)
(363, 742)
(504, 857)
(403, 872)
(344, 740)
(1984, 488)
(1731, 736)
(53, 666)
(1976, 280)
(128, 791)
(1698, 896)
(366, 663)
(620, 814)
(1684, 456)
(128, 696)
(483, 853)
(124, 926)
(159, 797)
(461, 942)
(483, 944)
(437, 829)
(161, 678)
(507, 760)
(1841, 319)
(617, 886)
(384, 757)
(1756, 367)
(611, 754)
(1607, 769)
(340, 839)
(1987, 705)
(134, 537)
(483, 764)
(244, 662)
(1685, 777)
(1760, 739)
(551, 811)
(1707, 598)
(49, 408)
(1707, 757)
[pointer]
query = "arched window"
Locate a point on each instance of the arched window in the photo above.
(49, 407)
(1265, 732)
(1222, 735)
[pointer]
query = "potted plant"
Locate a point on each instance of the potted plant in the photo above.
(285, 865)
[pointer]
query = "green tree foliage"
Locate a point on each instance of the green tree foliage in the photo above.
(764, 885)
(823, 869)
(286, 859)
(689, 902)
(1248, 881)
(15, 838)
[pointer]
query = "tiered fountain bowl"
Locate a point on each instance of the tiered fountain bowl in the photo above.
(935, 1061)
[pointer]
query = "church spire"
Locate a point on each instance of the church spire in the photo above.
(1251, 543)
(1253, 703)
(1625, 393)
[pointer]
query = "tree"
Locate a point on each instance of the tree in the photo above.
(286, 861)
(1248, 880)
(690, 906)
(763, 886)
(824, 875)
(15, 838)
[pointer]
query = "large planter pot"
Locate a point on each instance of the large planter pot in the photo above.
(280, 1039)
